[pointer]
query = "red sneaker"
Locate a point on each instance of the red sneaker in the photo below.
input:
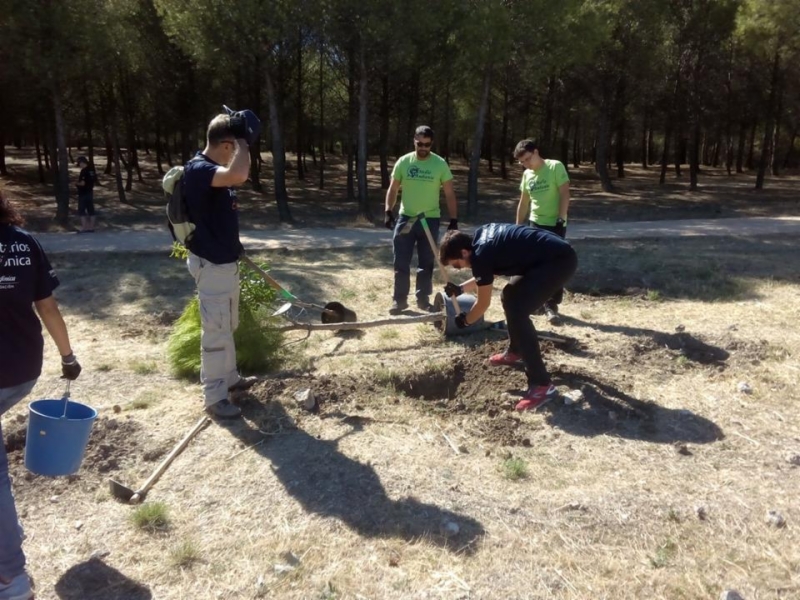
(536, 396)
(505, 359)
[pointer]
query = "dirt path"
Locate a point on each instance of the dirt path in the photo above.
(302, 239)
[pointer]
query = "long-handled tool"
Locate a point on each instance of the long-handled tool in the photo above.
(126, 494)
(442, 270)
(284, 293)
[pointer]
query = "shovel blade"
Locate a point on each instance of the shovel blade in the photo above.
(119, 491)
(282, 310)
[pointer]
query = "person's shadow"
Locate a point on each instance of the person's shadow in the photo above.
(607, 410)
(95, 580)
(327, 482)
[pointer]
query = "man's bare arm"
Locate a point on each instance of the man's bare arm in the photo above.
(563, 200)
(523, 209)
(238, 171)
(450, 198)
(391, 194)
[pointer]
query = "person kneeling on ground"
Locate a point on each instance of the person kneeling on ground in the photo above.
(539, 263)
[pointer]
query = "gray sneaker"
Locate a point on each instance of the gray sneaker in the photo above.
(551, 314)
(18, 588)
(398, 306)
(224, 410)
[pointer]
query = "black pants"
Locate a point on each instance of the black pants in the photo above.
(523, 297)
(558, 297)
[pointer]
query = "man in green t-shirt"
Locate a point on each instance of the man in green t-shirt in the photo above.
(543, 201)
(420, 174)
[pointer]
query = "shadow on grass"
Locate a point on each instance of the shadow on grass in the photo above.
(714, 269)
(607, 410)
(683, 343)
(95, 580)
(328, 483)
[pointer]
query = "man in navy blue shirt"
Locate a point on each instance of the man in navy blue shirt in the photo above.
(539, 263)
(27, 282)
(214, 251)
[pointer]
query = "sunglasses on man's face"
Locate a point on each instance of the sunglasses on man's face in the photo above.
(423, 144)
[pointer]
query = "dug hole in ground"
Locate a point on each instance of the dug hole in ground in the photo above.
(416, 478)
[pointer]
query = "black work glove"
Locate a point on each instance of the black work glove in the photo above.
(453, 224)
(453, 289)
(389, 222)
(461, 320)
(70, 367)
(561, 229)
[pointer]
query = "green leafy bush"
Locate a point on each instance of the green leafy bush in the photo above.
(258, 343)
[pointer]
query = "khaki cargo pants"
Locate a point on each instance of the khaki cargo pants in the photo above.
(218, 293)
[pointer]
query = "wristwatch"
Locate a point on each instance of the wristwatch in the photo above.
(560, 221)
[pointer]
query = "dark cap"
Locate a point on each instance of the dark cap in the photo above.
(82, 159)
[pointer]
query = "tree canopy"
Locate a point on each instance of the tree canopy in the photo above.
(605, 82)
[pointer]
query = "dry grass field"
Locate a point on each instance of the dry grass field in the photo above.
(415, 479)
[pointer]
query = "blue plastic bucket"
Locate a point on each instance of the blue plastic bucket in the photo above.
(465, 303)
(56, 441)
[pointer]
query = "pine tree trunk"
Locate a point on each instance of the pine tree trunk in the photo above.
(601, 152)
(301, 174)
(694, 154)
(475, 158)
(117, 157)
(62, 174)
(39, 164)
(645, 141)
(383, 140)
(769, 125)
(321, 92)
(740, 149)
(363, 190)
(278, 151)
(752, 145)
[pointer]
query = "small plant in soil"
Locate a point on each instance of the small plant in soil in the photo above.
(151, 517)
(184, 554)
(144, 368)
(663, 554)
(514, 469)
(653, 296)
(142, 402)
(258, 343)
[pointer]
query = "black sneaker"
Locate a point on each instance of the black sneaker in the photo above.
(244, 383)
(424, 304)
(224, 410)
(398, 306)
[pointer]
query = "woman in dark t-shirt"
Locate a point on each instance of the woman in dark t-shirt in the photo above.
(27, 282)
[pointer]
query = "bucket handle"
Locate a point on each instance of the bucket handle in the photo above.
(65, 398)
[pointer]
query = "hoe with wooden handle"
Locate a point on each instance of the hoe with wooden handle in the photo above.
(442, 270)
(126, 494)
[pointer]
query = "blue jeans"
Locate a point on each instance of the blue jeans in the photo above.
(12, 559)
(407, 233)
